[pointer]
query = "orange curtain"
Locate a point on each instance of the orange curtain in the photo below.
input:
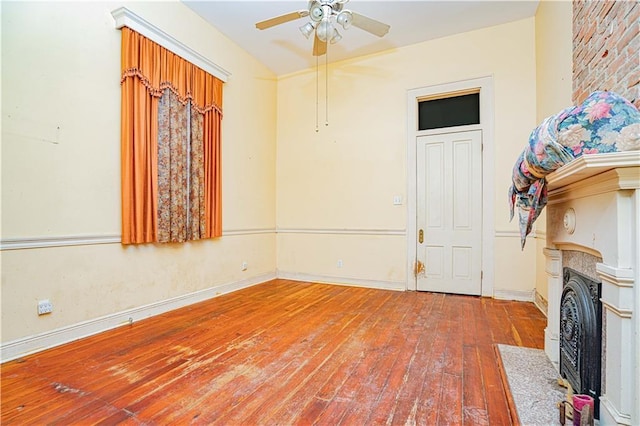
(147, 70)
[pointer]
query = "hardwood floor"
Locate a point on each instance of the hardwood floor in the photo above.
(282, 353)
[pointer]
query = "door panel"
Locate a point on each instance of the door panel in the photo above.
(435, 261)
(462, 259)
(435, 157)
(462, 169)
(449, 202)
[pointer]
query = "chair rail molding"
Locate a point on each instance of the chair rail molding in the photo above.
(21, 243)
(342, 231)
(57, 241)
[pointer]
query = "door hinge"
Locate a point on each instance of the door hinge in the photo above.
(481, 275)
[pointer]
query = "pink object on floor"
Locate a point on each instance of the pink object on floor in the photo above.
(579, 401)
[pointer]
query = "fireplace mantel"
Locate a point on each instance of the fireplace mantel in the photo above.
(592, 165)
(594, 208)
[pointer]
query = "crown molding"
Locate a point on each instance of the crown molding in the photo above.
(125, 18)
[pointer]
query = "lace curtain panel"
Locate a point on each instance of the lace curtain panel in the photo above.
(171, 128)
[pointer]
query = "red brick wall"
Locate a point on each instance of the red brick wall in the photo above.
(606, 48)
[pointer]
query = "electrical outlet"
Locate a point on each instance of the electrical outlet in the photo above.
(340, 263)
(245, 265)
(44, 307)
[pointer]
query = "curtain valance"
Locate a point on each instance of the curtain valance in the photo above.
(159, 69)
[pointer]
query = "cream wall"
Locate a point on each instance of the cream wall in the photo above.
(554, 68)
(61, 173)
(330, 193)
(335, 188)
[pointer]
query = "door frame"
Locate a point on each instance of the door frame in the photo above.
(485, 86)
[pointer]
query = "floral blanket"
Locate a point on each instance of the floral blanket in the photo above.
(605, 122)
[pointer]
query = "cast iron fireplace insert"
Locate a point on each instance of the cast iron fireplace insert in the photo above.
(581, 334)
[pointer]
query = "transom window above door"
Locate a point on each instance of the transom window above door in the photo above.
(450, 111)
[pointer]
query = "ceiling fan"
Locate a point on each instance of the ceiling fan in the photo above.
(324, 16)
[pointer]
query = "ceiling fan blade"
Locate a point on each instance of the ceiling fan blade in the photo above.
(369, 25)
(263, 25)
(319, 46)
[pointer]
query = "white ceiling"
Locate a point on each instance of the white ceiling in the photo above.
(283, 49)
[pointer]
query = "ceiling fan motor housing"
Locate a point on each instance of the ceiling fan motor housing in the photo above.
(324, 9)
(324, 16)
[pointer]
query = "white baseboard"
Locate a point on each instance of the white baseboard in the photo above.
(519, 295)
(541, 303)
(611, 414)
(353, 282)
(39, 342)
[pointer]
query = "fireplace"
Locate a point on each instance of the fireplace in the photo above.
(593, 252)
(581, 334)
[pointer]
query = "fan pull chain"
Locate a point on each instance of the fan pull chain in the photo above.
(317, 91)
(326, 85)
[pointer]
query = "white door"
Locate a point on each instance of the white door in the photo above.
(449, 216)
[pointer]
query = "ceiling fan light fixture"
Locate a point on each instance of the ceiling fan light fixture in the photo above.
(345, 18)
(307, 29)
(325, 30)
(315, 12)
(335, 37)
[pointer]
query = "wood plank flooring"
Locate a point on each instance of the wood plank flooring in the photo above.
(283, 353)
